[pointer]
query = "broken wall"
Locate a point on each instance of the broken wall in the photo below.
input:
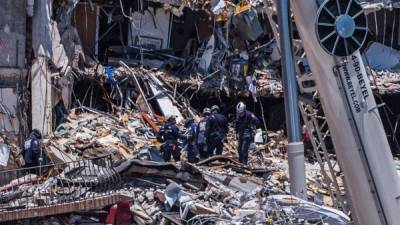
(12, 33)
(12, 60)
(151, 29)
(8, 103)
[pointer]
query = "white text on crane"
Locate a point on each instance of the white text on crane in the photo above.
(354, 81)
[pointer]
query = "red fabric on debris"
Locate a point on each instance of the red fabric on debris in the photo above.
(110, 219)
(124, 214)
(120, 214)
(306, 135)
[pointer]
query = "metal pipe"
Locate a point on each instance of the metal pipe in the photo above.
(295, 147)
(137, 84)
(288, 73)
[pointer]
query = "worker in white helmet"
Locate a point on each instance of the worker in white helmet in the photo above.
(245, 123)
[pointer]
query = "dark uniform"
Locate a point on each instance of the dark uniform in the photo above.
(217, 127)
(244, 129)
(169, 134)
(33, 155)
(190, 146)
(32, 151)
(201, 137)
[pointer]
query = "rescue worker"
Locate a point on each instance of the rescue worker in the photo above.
(190, 145)
(245, 121)
(33, 155)
(169, 135)
(201, 134)
(217, 128)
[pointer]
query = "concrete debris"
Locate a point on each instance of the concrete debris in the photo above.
(217, 189)
(384, 65)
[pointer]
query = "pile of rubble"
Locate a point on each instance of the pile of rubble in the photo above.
(96, 154)
(89, 135)
(383, 62)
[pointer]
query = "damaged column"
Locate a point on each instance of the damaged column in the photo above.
(40, 75)
(295, 146)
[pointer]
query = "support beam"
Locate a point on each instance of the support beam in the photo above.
(295, 147)
(41, 95)
(41, 76)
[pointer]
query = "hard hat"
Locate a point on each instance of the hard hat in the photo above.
(171, 119)
(37, 133)
(206, 111)
(215, 108)
(240, 107)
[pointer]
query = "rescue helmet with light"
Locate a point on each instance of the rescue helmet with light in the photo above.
(240, 107)
(206, 111)
(215, 108)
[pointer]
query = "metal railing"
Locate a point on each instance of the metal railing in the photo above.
(53, 184)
